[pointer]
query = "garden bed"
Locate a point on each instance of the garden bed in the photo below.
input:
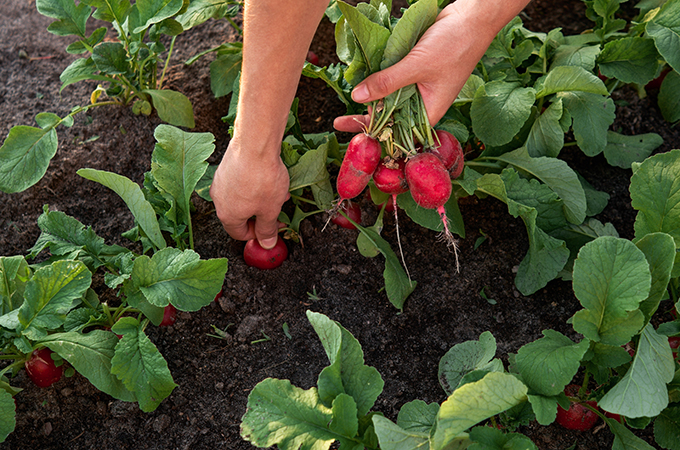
(327, 275)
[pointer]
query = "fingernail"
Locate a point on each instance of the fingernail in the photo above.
(268, 243)
(360, 93)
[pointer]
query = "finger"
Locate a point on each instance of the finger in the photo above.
(351, 124)
(241, 231)
(267, 232)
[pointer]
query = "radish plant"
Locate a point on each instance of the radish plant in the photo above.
(52, 304)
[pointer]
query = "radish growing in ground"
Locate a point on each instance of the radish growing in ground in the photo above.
(256, 256)
(360, 161)
(578, 416)
(41, 368)
(353, 211)
(169, 316)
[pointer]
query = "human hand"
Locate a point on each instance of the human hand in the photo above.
(247, 185)
(442, 60)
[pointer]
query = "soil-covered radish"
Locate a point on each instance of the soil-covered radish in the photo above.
(578, 416)
(360, 161)
(41, 368)
(450, 152)
(256, 256)
(169, 316)
(353, 211)
(389, 176)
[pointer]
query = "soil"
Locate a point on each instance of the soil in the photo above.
(216, 375)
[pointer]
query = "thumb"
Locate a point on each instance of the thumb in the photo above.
(383, 83)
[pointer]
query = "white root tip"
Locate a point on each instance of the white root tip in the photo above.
(447, 237)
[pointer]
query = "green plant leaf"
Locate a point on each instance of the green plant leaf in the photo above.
(576, 55)
(624, 439)
(7, 414)
(14, 274)
(310, 169)
(659, 249)
(669, 97)
(225, 68)
(177, 164)
(592, 114)
(418, 416)
(90, 354)
(110, 10)
(79, 70)
(466, 357)
(173, 107)
(548, 364)
(50, 294)
(571, 78)
(71, 18)
(155, 11)
(499, 110)
(667, 428)
(133, 197)
(664, 28)
(346, 373)
(642, 391)
(334, 76)
(200, 11)
(408, 30)
(611, 278)
(622, 151)
(371, 38)
(393, 437)
(655, 194)
(546, 137)
(488, 438)
(557, 175)
(630, 60)
(111, 58)
(140, 366)
(474, 402)
(24, 157)
(345, 421)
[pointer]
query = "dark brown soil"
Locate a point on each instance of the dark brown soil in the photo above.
(215, 376)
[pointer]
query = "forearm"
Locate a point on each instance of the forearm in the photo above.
(277, 35)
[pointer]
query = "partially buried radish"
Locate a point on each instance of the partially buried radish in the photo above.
(353, 211)
(42, 369)
(256, 256)
(360, 161)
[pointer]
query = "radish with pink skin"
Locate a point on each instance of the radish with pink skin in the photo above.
(389, 176)
(450, 152)
(360, 161)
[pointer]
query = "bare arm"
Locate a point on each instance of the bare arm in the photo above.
(252, 180)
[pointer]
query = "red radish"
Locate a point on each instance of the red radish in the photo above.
(577, 417)
(616, 417)
(256, 256)
(674, 342)
(389, 176)
(219, 294)
(42, 369)
(312, 58)
(169, 316)
(353, 211)
(360, 161)
(450, 152)
(655, 84)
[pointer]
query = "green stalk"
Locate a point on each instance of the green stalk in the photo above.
(167, 62)
(234, 26)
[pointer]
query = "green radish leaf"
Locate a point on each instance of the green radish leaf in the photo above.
(546, 137)
(173, 107)
(608, 356)
(71, 19)
(133, 197)
(642, 391)
(110, 10)
(90, 354)
(111, 58)
(571, 78)
(429, 218)
(548, 364)
(398, 284)
(499, 110)
(203, 185)
(345, 421)
(393, 437)
(200, 11)
(557, 175)
(225, 69)
(611, 278)
(576, 236)
(418, 416)
(576, 55)
(592, 114)
(630, 60)
(177, 164)
(669, 97)
(14, 274)
(80, 47)
(310, 169)
(624, 439)
(24, 157)
(667, 427)
(655, 194)
(408, 30)
(140, 366)
(7, 414)
(179, 278)
(79, 70)
(68, 238)
(544, 408)
(334, 76)
(466, 357)
(474, 402)
(467, 93)
(622, 151)
(50, 294)
(155, 11)
(364, 244)
(347, 373)
(659, 249)
(488, 438)
(371, 38)
(664, 28)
